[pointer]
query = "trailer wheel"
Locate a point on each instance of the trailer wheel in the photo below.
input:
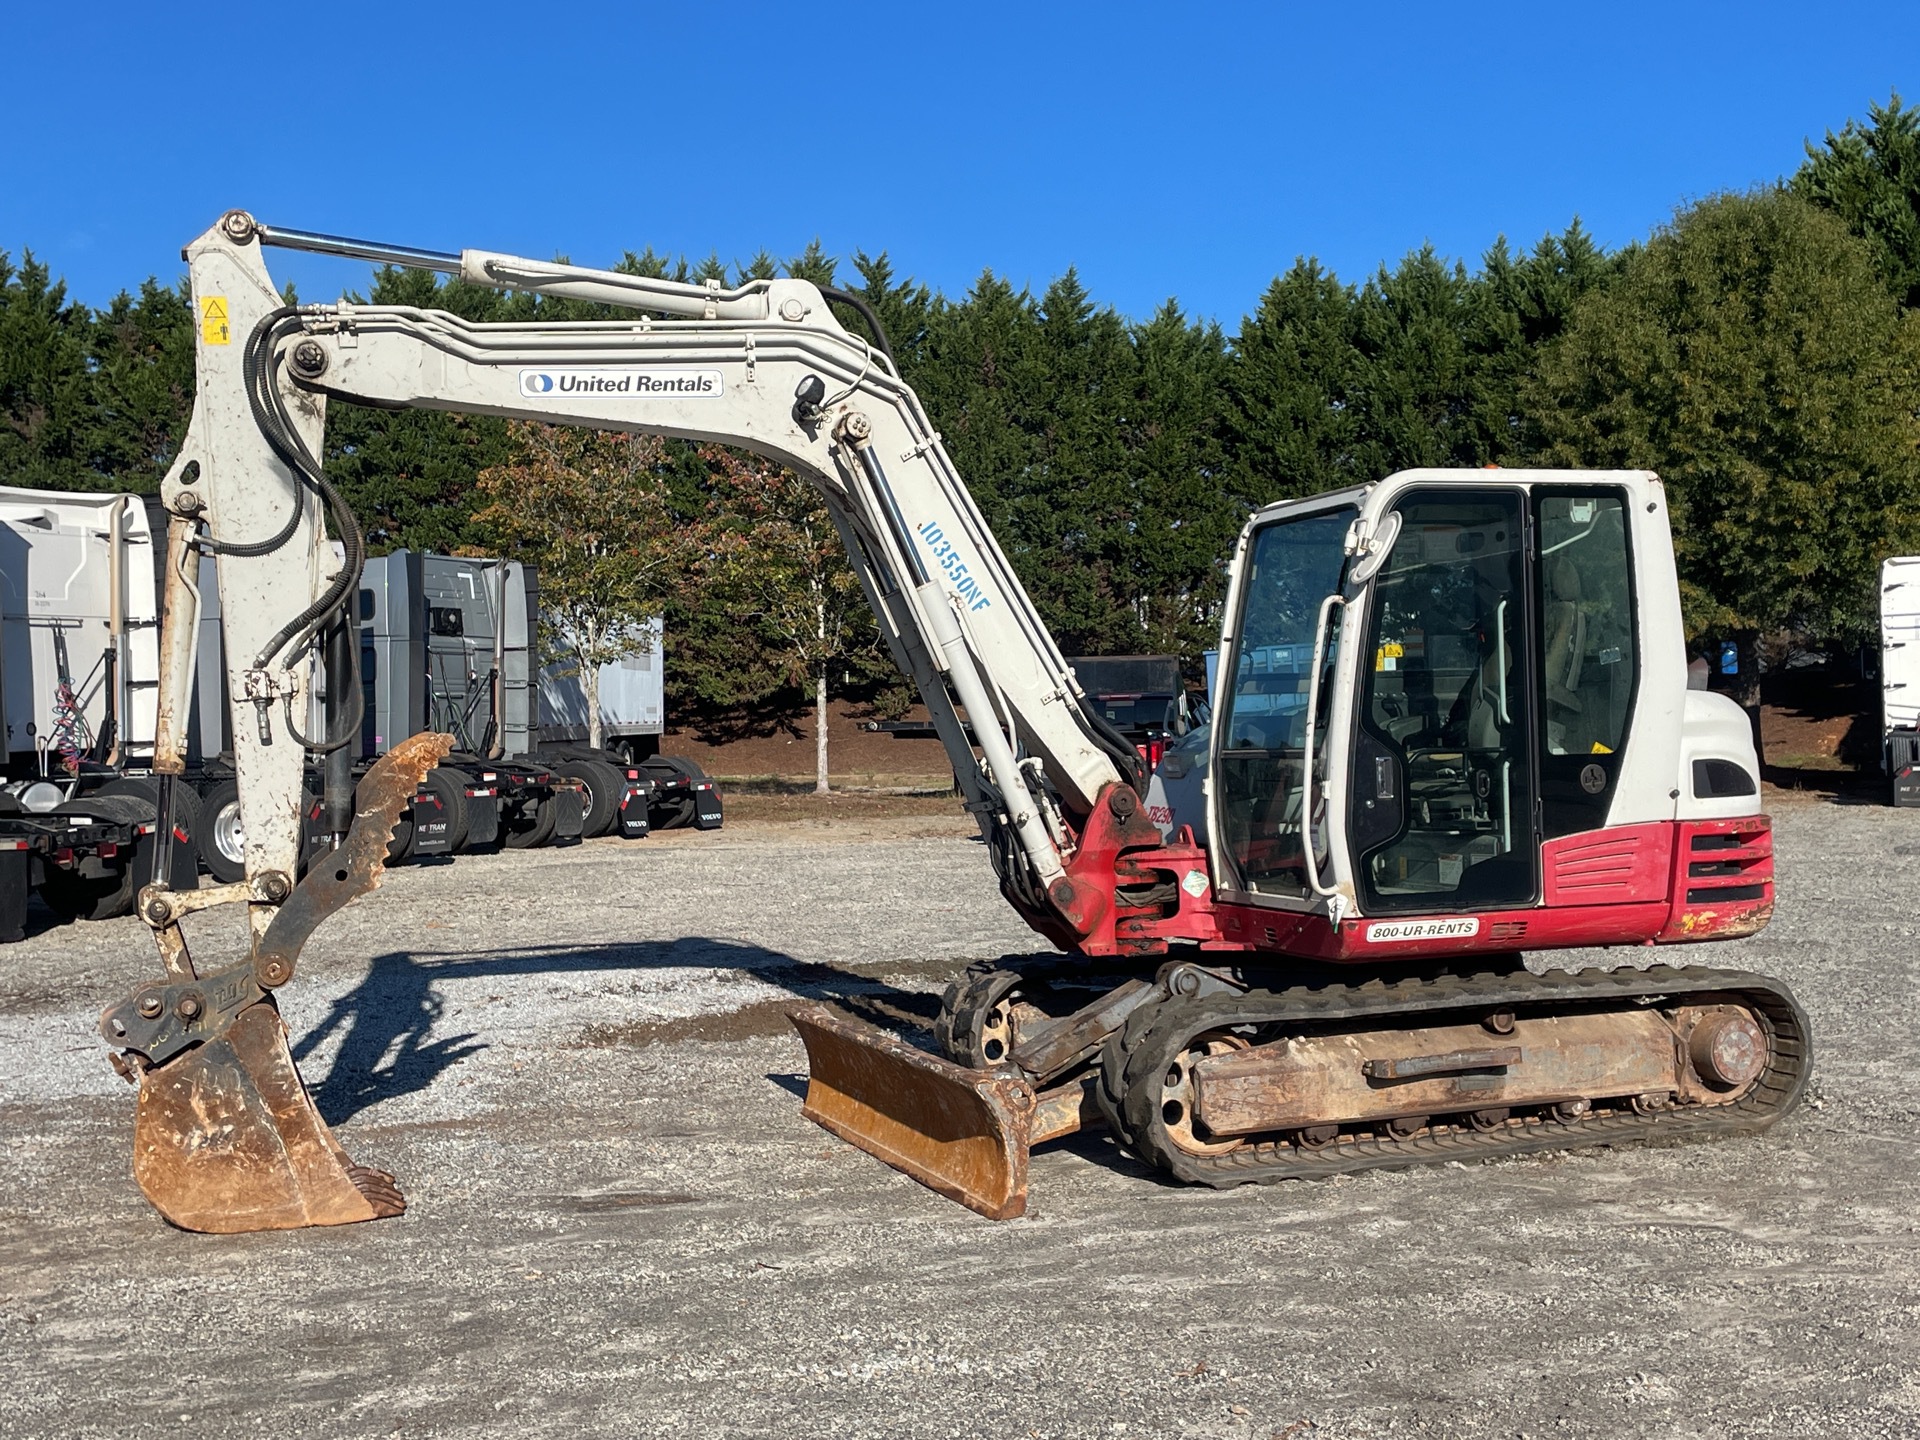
(400, 847)
(531, 826)
(103, 897)
(450, 788)
(613, 786)
(83, 897)
(672, 807)
(605, 787)
(223, 841)
(224, 846)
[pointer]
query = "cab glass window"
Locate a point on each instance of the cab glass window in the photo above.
(1587, 660)
(1293, 566)
(1441, 815)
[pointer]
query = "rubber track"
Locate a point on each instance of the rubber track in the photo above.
(1143, 1049)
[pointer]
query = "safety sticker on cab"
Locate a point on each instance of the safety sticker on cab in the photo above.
(1387, 932)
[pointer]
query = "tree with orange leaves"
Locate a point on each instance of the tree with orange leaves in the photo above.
(589, 510)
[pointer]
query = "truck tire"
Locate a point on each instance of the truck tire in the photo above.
(613, 786)
(450, 786)
(86, 897)
(16, 885)
(532, 826)
(605, 786)
(223, 843)
(105, 897)
(400, 847)
(673, 807)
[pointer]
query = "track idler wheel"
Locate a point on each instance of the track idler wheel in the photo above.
(978, 1025)
(1177, 1102)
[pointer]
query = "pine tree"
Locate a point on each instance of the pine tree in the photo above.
(1750, 353)
(1290, 389)
(141, 353)
(1869, 175)
(1520, 307)
(1183, 518)
(46, 391)
(1413, 386)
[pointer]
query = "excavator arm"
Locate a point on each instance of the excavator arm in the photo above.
(767, 367)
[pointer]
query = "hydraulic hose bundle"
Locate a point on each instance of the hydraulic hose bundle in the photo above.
(260, 365)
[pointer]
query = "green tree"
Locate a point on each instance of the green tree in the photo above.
(1749, 353)
(141, 355)
(589, 510)
(776, 562)
(1520, 307)
(46, 388)
(1292, 425)
(1869, 175)
(1182, 518)
(1414, 387)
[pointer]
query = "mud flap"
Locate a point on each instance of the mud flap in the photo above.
(569, 813)
(964, 1133)
(226, 1140)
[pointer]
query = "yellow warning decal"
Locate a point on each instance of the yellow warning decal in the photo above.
(213, 320)
(1599, 749)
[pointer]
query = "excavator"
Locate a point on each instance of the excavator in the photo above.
(1452, 728)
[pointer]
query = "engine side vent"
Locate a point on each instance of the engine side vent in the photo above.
(1727, 886)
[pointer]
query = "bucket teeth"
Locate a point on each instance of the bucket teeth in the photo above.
(227, 1140)
(964, 1133)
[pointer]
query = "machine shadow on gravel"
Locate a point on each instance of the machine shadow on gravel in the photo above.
(388, 1022)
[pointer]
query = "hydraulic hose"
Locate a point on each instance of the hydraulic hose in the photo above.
(253, 368)
(866, 313)
(1132, 768)
(270, 414)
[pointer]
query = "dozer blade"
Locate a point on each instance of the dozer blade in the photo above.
(226, 1139)
(964, 1133)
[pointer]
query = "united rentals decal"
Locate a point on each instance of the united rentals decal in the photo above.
(1385, 932)
(689, 384)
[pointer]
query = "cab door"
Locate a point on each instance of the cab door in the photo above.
(1441, 812)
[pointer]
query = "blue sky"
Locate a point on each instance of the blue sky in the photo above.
(1165, 150)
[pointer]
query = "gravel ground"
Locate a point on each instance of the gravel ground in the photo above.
(575, 1063)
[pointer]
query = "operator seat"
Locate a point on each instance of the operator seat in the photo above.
(1566, 649)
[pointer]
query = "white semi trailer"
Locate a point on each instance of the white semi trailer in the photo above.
(1900, 676)
(451, 645)
(80, 588)
(79, 665)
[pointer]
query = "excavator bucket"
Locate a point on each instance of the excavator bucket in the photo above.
(226, 1136)
(964, 1133)
(226, 1139)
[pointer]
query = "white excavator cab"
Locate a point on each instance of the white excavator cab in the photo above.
(1430, 685)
